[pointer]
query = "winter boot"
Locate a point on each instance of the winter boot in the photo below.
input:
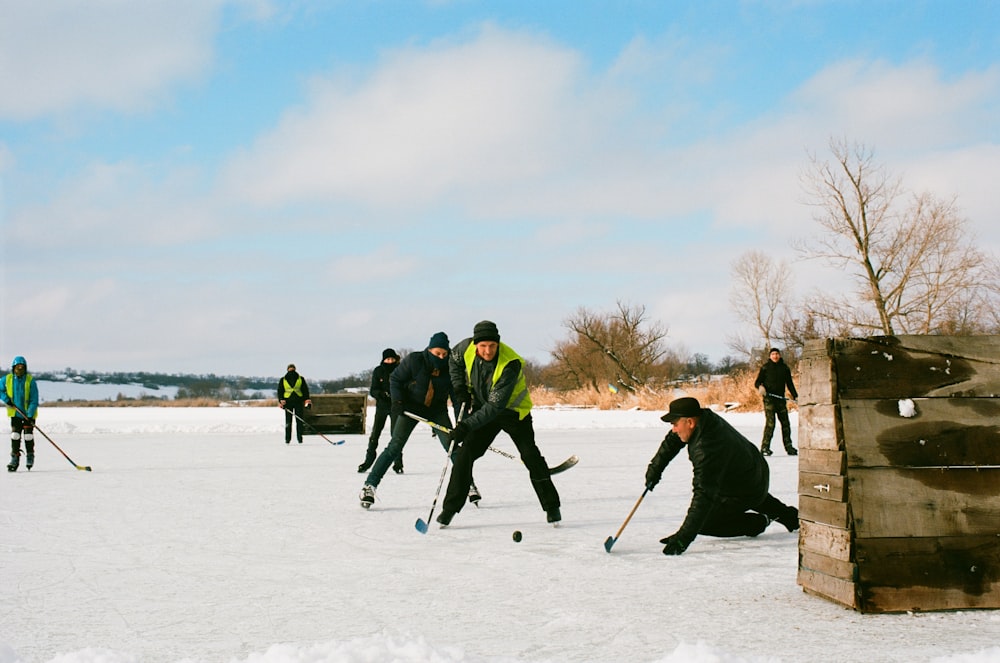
(790, 519)
(15, 460)
(765, 450)
(367, 496)
(444, 518)
(474, 495)
(790, 450)
(553, 516)
(369, 457)
(397, 466)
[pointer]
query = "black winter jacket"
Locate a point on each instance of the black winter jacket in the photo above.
(410, 381)
(775, 376)
(729, 471)
(379, 389)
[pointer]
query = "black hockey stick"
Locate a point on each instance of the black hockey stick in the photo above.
(313, 428)
(85, 468)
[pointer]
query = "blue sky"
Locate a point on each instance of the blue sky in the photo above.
(212, 186)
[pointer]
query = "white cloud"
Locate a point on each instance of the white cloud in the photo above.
(56, 57)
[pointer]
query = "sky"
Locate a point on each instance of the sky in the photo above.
(171, 551)
(226, 186)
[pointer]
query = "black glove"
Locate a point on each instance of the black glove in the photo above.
(397, 409)
(652, 478)
(459, 432)
(673, 545)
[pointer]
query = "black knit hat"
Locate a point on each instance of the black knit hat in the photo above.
(485, 331)
(389, 352)
(439, 340)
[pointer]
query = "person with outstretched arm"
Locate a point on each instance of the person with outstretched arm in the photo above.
(772, 380)
(729, 489)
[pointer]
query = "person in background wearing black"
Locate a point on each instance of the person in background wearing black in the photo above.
(772, 379)
(379, 391)
(730, 482)
(293, 398)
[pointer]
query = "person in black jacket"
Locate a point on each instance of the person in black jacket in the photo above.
(293, 398)
(379, 391)
(489, 383)
(421, 385)
(731, 479)
(772, 379)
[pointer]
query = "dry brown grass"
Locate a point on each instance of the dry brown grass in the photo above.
(721, 394)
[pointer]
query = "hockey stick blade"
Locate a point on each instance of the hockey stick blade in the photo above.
(565, 465)
(421, 526)
(608, 543)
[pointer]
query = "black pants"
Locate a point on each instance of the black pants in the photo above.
(522, 432)
(737, 519)
(383, 411)
(300, 411)
(22, 428)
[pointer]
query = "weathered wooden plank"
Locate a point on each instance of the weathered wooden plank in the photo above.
(817, 383)
(928, 573)
(337, 413)
(822, 461)
(940, 432)
(826, 540)
(912, 366)
(836, 589)
(824, 486)
(819, 563)
(924, 502)
(823, 511)
(819, 427)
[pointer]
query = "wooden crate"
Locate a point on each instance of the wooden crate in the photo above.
(899, 473)
(337, 413)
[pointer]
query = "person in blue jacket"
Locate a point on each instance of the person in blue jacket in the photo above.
(20, 395)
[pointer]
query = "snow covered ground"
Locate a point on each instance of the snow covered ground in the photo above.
(201, 536)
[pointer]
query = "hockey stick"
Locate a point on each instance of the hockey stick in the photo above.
(338, 442)
(781, 397)
(421, 524)
(561, 467)
(610, 541)
(85, 468)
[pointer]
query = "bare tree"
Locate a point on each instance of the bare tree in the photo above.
(760, 289)
(912, 264)
(620, 348)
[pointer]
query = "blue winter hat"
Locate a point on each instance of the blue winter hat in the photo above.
(439, 340)
(19, 360)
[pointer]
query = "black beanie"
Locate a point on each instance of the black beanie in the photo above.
(485, 331)
(439, 340)
(389, 352)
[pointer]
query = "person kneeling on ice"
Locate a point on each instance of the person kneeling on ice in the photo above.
(731, 479)
(420, 385)
(488, 378)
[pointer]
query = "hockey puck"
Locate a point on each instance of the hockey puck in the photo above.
(517, 536)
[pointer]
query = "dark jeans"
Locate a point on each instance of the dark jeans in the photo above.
(776, 408)
(522, 432)
(401, 430)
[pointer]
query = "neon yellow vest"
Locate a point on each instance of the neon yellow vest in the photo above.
(9, 386)
(289, 390)
(520, 400)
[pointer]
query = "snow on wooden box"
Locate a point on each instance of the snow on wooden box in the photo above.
(899, 472)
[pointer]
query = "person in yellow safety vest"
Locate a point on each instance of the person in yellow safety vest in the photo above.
(488, 379)
(20, 395)
(293, 398)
